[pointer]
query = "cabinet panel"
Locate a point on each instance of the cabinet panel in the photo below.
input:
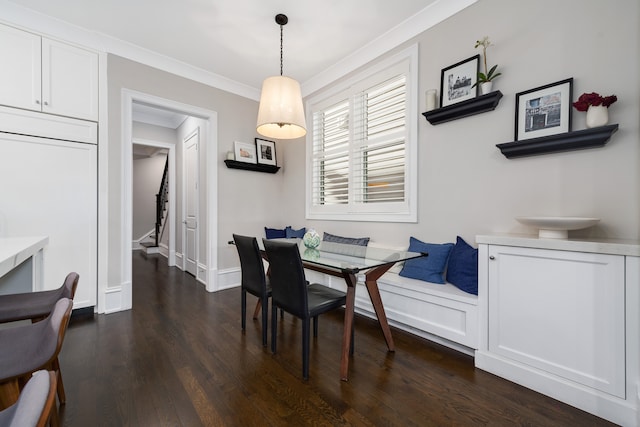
(70, 80)
(20, 73)
(48, 76)
(561, 312)
(49, 188)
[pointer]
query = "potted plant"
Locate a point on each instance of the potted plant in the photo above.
(596, 106)
(485, 80)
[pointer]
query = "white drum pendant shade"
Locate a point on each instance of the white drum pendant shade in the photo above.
(281, 114)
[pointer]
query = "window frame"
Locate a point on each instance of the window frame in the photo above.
(407, 61)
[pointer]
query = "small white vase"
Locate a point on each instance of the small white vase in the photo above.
(597, 116)
(486, 88)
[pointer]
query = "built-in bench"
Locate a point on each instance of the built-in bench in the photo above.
(440, 313)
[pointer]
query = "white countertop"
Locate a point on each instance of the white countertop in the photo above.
(16, 250)
(601, 246)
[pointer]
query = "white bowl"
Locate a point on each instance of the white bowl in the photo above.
(557, 227)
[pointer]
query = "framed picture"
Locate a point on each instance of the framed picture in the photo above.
(245, 152)
(457, 81)
(266, 151)
(543, 111)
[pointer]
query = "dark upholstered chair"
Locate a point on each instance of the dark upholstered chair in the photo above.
(29, 348)
(36, 305)
(254, 280)
(291, 292)
(35, 405)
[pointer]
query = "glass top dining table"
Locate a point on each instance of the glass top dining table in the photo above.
(348, 261)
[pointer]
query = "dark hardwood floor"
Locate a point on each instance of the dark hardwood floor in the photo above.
(179, 358)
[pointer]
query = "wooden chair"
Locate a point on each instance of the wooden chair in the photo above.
(291, 292)
(35, 406)
(36, 305)
(254, 279)
(29, 348)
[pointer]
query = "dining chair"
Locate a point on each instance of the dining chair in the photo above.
(35, 406)
(291, 292)
(254, 280)
(29, 348)
(36, 305)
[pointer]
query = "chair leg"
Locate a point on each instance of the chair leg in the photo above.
(62, 397)
(315, 326)
(274, 327)
(305, 348)
(265, 320)
(243, 308)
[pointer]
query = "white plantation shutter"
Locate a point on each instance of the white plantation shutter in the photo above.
(360, 145)
(379, 143)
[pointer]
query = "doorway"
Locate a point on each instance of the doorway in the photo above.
(208, 275)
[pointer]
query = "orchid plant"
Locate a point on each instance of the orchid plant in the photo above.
(489, 74)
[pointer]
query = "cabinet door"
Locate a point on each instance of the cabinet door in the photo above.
(20, 71)
(560, 312)
(49, 188)
(70, 80)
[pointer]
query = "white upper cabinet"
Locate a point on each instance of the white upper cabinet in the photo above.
(48, 76)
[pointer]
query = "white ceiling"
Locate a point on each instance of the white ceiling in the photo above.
(239, 40)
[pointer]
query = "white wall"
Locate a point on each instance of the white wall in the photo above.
(466, 186)
(147, 175)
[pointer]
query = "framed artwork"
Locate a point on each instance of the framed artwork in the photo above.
(457, 80)
(245, 152)
(266, 151)
(543, 111)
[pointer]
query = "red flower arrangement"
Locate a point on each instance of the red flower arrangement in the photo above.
(588, 99)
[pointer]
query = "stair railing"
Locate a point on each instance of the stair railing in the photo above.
(161, 200)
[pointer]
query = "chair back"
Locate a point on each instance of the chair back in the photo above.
(253, 278)
(52, 336)
(288, 283)
(70, 285)
(35, 403)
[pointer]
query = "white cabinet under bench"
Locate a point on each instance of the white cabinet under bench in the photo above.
(438, 312)
(561, 317)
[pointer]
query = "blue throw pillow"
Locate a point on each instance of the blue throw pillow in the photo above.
(274, 233)
(290, 233)
(462, 270)
(429, 268)
(360, 241)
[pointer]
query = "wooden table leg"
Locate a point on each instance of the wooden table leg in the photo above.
(257, 310)
(348, 325)
(376, 300)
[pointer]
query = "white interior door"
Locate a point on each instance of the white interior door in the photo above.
(191, 203)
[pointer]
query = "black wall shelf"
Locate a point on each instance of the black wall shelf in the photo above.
(470, 107)
(578, 140)
(233, 164)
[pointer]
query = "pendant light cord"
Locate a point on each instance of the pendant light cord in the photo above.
(281, 39)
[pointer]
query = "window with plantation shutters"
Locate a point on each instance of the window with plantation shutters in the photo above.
(361, 145)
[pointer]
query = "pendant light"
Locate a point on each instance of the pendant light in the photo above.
(280, 114)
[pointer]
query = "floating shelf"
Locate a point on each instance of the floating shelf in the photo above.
(233, 164)
(477, 105)
(578, 140)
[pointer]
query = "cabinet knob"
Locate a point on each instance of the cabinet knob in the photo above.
(46, 103)
(491, 257)
(38, 101)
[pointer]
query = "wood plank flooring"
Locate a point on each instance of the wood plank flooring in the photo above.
(179, 358)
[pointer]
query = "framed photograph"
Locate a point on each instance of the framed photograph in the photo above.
(266, 151)
(245, 152)
(457, 81)
(543, 111)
